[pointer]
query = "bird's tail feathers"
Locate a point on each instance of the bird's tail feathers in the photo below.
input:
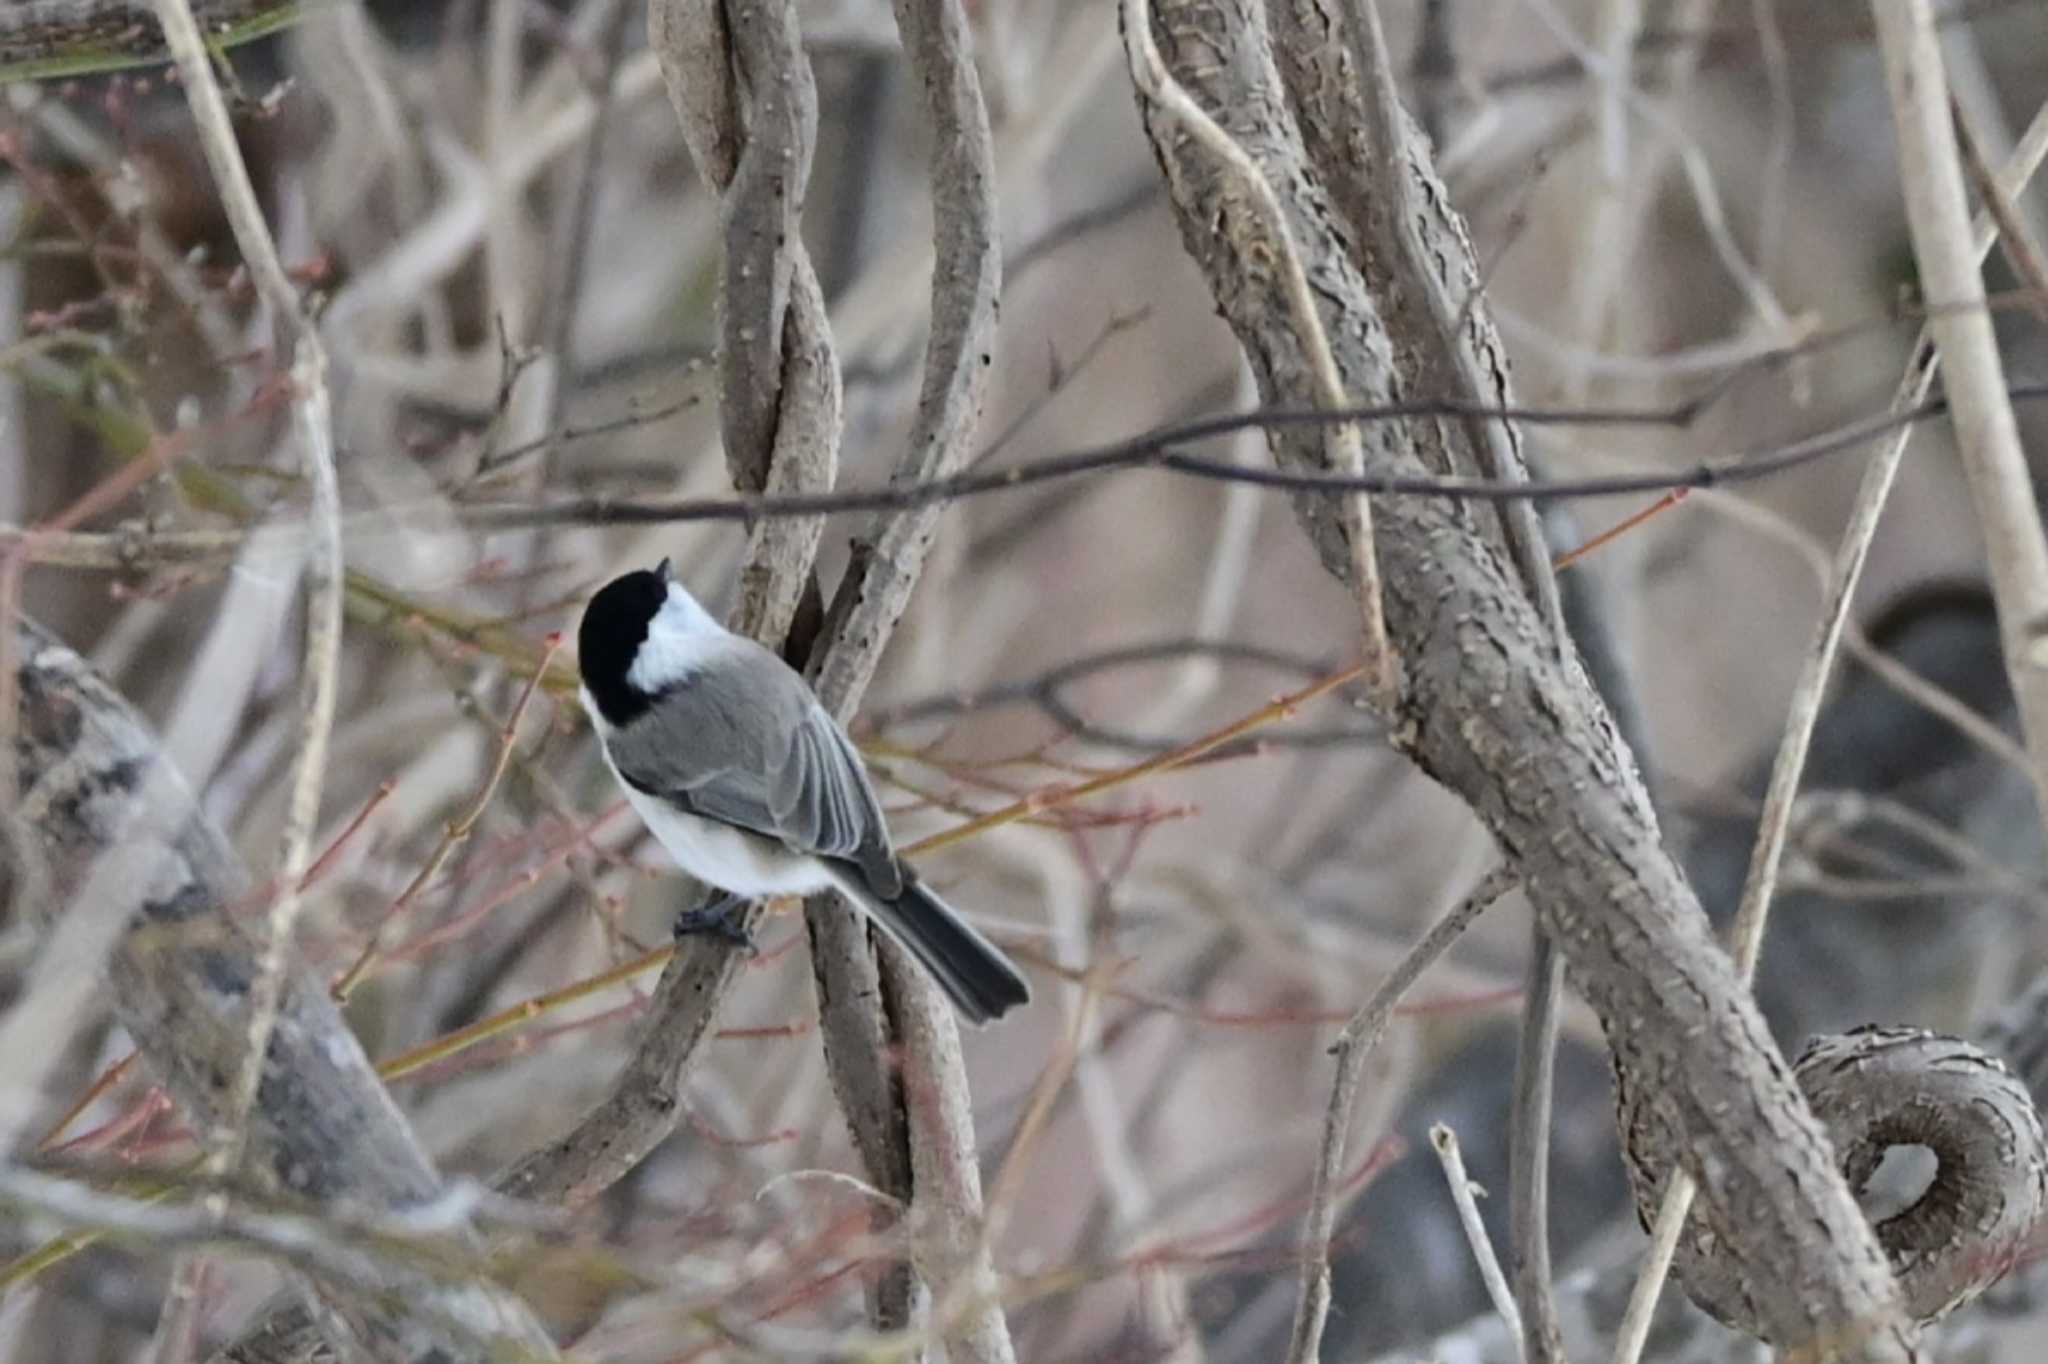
(982, 982)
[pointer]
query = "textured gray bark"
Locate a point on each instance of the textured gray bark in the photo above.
(1938, 1250)
(878, 1012)
(1489, 709)
(780, 414)
(324, 1128)
(1909, 958)
(780, 396)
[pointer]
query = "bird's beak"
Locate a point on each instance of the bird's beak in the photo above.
(665, 571)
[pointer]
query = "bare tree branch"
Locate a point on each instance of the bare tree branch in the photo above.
(1878, 1088)
(1157, 450)
(1445, 344)
(390, 1258)
(1353, 1047)
(1464, 1196)
(1788, 767)
(861, 1021)
(1986, 435)
(643, 1107)
(1383, 182)
(183, 975)
(1702, 1085)
(1346, 451)
(313, 422)
(782, 430)
(136, 548)
(1529, 1158)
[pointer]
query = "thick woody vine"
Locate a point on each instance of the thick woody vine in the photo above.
(1489, 709)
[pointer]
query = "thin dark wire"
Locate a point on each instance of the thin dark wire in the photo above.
(1155, 450)
(1680, 415)
(631, 421)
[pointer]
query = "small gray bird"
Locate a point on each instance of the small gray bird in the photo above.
(739, 772)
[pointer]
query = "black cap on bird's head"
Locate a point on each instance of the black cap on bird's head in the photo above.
(609, 638)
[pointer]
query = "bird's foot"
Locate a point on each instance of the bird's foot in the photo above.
(723, 917)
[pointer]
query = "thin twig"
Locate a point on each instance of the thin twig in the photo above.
(1910, 685)
(1728, 362)
(1354, 1045)
(1803, 713)
(1730, 44)
(2015, 241)
(40, 39)
(177, 1326)
(1677, 140)
(139, 548)
(1462, 1194)
(1987, 436)
(313, 425)
(1047, 691)
(1529, 1156)
(1279, 708)
(1157, 450)
(1634, 1331)
(1345, 450)
(1777, 167)
(454, 835)
(578, 212)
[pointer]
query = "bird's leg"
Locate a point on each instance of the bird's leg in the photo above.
(722, 917)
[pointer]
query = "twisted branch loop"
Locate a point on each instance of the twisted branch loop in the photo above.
(742, 88)
(748, 107)
(1876, 1089)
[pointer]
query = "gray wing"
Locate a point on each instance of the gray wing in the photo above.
(764, 756)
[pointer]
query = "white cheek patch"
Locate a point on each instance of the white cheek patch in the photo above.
(680, 641)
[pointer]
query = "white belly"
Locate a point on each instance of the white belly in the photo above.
(728, 858)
